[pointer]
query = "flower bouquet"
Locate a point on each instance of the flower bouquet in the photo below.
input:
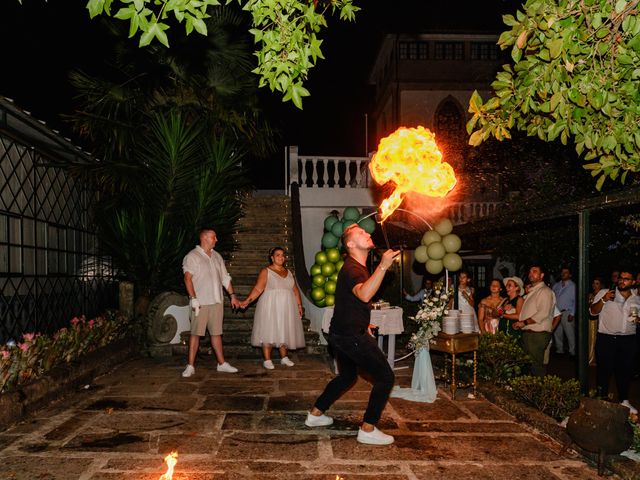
(429, 317)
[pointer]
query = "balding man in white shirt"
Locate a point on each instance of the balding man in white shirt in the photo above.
(536, 319)
(616, 341)
(204, 277)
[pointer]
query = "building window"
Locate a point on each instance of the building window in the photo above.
(484, 51)
(413, 50)
(449, 51)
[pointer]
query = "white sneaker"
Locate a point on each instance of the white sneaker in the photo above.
(375, 437)
(225, 367)
(632, 409)
(268, 364)
(287, 362)
(188, 371)
(318, 420)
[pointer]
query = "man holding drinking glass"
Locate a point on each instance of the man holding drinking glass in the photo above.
(617, 311)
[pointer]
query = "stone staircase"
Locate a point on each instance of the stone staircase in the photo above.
(266, 224)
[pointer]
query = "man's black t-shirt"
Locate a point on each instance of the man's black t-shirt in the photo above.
(350, 315)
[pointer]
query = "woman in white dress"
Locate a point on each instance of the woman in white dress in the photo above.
(278, 316)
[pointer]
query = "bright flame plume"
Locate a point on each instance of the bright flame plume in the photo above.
(171, 461)
(410, 158)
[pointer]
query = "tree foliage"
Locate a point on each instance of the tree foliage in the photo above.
(285, 31)
(574, 78)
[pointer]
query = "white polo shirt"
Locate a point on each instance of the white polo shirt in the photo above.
(209, 275)
(614, 316)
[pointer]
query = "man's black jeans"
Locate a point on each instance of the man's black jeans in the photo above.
(353, 352)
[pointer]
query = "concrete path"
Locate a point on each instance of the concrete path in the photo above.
(251, 425)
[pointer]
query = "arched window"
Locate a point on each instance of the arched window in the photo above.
(450, 132)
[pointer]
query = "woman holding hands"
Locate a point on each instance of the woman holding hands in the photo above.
(278, 316)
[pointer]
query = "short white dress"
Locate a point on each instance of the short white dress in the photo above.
(277, 320)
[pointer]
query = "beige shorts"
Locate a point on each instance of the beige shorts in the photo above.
(209, 318)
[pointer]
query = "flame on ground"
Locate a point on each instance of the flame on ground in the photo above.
(410, 159)
(171, 461)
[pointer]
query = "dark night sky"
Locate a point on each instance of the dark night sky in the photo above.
(42, 41)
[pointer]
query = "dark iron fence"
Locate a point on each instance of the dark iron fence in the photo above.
(49, 269)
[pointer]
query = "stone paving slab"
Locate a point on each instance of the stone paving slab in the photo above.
(251, 426)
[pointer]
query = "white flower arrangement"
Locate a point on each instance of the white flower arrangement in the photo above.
(429, 317)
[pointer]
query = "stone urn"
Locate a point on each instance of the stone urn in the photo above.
(161, 328)
(600, 427)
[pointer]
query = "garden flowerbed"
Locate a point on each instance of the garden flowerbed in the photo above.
(61, 380)
(620, 465)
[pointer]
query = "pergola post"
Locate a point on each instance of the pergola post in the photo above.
(582, 317)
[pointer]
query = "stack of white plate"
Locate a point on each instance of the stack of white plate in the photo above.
(466, 323)
(450, 323)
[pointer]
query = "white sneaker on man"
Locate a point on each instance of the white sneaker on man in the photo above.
(226, 368)
(318, 420)
(632, 409)
(287, 362)
(188, 371)
(268, 364)
(374, 437)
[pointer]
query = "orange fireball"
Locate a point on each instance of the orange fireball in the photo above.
(410, 159)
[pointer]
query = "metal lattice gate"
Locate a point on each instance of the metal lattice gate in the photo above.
(49, 269)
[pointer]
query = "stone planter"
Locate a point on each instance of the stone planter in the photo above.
(60, 381)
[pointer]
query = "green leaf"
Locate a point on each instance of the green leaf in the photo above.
(475, 102)
(476, 138)
(555, 47)
(600, 182)
(95, 7)
(620, 5)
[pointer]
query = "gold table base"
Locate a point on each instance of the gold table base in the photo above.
(453, 345)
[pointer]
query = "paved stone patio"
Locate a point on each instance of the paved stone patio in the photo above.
(251, 425)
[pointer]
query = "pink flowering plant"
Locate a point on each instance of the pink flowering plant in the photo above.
(37, 354)
(429, 317)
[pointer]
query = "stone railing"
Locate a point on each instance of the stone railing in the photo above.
(463, 212)
(325, 171)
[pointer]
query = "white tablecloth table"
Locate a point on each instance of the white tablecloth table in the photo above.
(388, 321)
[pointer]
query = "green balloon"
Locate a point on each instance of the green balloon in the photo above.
(351, 213)
(319, 280)
(317, 293)
(435, 251)
(330, 287)
(329, 300)
(329, 240)
(321, 258)
(431, 236)
(333, 277)
(451, 242)
(339, 265)
(337, 229)
(347, 223)
(452, 262)
(328, 268)
(433, 266)
(315, 270)
(321, 303)
(333, 255)
(421, 254)
(444, 227)
(329, 221)
(368, 224)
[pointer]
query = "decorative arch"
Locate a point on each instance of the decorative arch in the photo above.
(450, 131)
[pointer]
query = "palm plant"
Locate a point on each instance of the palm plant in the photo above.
(184, 180)
(161, 123)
